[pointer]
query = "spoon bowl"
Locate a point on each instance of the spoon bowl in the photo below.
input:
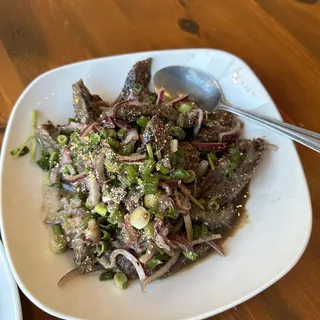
(179, 80)
(206, 91)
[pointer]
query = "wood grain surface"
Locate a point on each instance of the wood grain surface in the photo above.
(279, 39)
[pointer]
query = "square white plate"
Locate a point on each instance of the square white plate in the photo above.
(262, 251)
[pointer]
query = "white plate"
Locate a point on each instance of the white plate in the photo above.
(10, 307)
(264, 250)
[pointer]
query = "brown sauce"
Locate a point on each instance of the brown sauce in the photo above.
(240, 220)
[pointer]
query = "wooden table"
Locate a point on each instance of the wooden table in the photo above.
(279, 39)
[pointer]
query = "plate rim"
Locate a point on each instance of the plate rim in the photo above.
(150, 53)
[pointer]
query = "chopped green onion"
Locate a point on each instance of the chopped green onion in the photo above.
(127, 149)
(122, 133)
(34, 120)
(191, 177)
(158, 154)
(211, 158)
(103, 222)
(173, 214)
(149, 165)
(125, 181)
(195, 191)
(19, 152)
(101, 209)
(150, 184)
(107, 275)
(236, 158)
(105, 234)
(137, 88)
(43, 162)
(204, 231)
(182, 120)
(212, 202)
(151, 200)
(120, 280)
(139, 218)
(102, 247)
(58, 242)
(56, 229)
(62, 140)
(196, 202)
(153, 263)
(43, 152)
(115, 216)
(112, 133)
(181, 173)
(196, 232)
(142, 122)
(163, 177)
(131, 173)
(185, 107)
(113, 143)
(88, 204)
(177, 133)
(191, 255)
(86, 219)
(151, 98)
(149, 230)
(47, 180)
(54, 157)
(150, 152)
(163, 169)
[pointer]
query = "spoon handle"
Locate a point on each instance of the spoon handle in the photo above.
(306, 137)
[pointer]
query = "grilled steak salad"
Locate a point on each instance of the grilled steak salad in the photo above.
(145, 186)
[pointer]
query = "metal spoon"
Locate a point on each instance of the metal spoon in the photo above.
(179, 80)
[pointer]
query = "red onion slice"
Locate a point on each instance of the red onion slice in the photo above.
(117, 105)
(99, 167)
(107, 123)
(173, 184)
(65, 156)
(131, 137)
(210, 146)
(200, 119)
(160, 96)
(161, 272)
(76, 273)
(94, 191)
(186, 191)
(202, 169)
(166, 188)
(76, 177)
(112, 263)
(71, 127)
(217, 247)
(188, 225)
(88, 128)
(135, 157)
(209, 238)
(180, 242)
(233, 131)
(183, 204)
(161, 239)
(178, 100)
(149, 254)
(121, 124)
(132, 233)
(54, 175)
